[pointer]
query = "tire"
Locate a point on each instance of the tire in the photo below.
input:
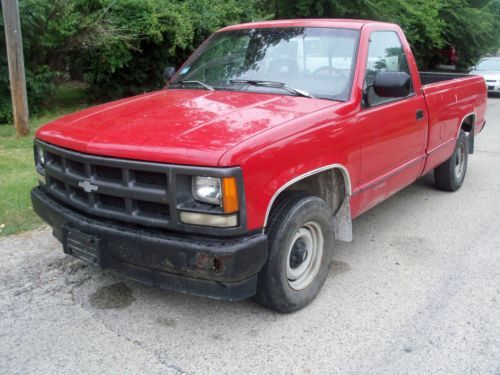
(301, 240)
(450, 175)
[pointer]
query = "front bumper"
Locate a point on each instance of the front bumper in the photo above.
(207, 266)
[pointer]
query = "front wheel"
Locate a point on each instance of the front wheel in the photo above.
(300, 252)
(450, 175)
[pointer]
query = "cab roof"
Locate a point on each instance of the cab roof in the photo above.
(317, 22)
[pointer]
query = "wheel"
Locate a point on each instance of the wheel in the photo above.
(450, 175)
(301, 242)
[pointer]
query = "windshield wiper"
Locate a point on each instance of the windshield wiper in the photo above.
(274, 84)
(204, 85)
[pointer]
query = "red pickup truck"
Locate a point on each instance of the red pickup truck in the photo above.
(236, 179)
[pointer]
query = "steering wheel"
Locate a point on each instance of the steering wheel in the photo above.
(329, 69)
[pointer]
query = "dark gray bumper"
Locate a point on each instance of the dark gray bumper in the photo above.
(212, 267)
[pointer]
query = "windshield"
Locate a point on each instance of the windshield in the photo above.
(490, 64)
(315, 61)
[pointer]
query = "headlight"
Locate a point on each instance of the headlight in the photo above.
(221, 192)
(40, 165)
(40, 156)
(208, 190)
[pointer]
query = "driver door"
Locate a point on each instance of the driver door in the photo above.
(392, 131)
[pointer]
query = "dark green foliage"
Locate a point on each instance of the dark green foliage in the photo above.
(40, 80)
(472, 26)
(120, 47)
(5, 103)
(145, 36)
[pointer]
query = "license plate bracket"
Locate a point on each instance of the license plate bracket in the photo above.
(83, 246)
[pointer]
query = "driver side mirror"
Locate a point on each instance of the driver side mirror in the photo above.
(392, 84)
(168, 73)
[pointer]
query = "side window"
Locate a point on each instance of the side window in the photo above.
(385, 53)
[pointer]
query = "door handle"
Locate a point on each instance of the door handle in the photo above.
(420, 114)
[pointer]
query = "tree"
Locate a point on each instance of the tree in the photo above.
(120, 47)
(17, 75)
(159, 33)
(472, 26)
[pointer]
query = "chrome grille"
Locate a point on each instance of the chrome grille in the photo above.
(129, 191)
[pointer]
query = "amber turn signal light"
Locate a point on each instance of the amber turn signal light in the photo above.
(230, 195)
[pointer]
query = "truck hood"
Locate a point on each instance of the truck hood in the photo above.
(176, 126)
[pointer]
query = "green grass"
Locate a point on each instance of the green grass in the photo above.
(17, 173)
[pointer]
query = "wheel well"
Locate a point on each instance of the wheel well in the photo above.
(333, 185)
(328, 185)
(468, 126)
(468, 123)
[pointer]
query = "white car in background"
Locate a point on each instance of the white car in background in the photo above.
(489, 68)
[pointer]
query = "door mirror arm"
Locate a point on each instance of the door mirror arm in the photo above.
(365, 98)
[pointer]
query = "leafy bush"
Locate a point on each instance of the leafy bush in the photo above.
(120, 47)
(44, 29)
(472, 26)
(40, 86)
(158, 33)
(5, 103)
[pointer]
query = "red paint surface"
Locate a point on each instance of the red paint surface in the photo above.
(275, 138)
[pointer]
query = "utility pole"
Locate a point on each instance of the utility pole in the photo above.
(15, 57)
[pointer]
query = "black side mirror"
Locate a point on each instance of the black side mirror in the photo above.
(168, 73)
(392, 84)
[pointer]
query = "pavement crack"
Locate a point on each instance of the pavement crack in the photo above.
(136, 343)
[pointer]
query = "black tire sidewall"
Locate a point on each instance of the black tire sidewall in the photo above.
(284, 298)
(462, 139)
(444, 174)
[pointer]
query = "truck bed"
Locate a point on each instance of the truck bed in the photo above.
(433, 77)
(451, 98)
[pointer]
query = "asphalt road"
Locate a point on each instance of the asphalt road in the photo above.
(416, 292)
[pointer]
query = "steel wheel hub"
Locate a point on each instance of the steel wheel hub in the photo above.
(460, 161)
(304, 256)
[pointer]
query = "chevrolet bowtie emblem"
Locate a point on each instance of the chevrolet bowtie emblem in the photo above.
(87, 186)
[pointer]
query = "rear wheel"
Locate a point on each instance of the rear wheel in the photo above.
(450, 175)
(300, 252)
